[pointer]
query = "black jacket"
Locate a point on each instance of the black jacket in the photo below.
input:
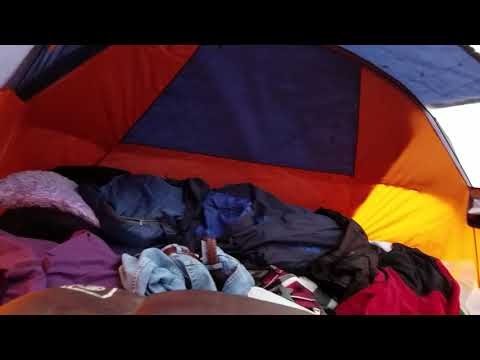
(351, 266)
(419, 271)
(276, 233)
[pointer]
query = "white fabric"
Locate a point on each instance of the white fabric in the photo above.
(309, 284)
(383, 244)
(11, 56)
(475, 210)
(265, 295)
(472, 303)
(476, 48)
(465, 272)
(461, 124)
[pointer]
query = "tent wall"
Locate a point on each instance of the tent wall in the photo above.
(405, 188)
(50, 64)
(12, 119)
(79, 119)
(421, 197)
(438, 75)
(294, 106)
(308, 188)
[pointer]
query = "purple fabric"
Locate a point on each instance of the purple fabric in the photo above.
(21, 268)
(44, 189)
(28, 265)
(38, 247)
(83, 259)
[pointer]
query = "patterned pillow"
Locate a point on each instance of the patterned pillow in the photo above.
(44, 189)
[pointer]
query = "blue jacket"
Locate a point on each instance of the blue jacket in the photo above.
(138, 211)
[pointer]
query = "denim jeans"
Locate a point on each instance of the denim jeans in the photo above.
(239, 281)
(154, 272)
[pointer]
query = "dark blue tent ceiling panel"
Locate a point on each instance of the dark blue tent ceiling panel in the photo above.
(294, 106)
(51, 64)
(438, 75)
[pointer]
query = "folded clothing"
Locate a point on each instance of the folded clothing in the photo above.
(175, 267)
(139, 211)
(28, 265)
(408, 282)
(44, 189)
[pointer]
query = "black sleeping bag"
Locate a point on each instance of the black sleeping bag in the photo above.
(44, 223)
(92, 175)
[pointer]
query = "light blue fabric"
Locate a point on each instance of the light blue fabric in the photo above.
(240, 280)
(195, 273)
(152, 273)
(155, 272)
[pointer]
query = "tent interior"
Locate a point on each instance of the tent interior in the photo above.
(384, 134)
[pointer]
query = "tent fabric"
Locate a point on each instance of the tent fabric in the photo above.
(78, 120)
(51, 64)
(438, 75)
(12, 117)
(396, 142)
(296, 186)
(405, 152)
(292, 106)
(103, 113)
(395, 175)
(24, 147)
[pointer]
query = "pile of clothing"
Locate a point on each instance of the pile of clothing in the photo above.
(99, 226)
